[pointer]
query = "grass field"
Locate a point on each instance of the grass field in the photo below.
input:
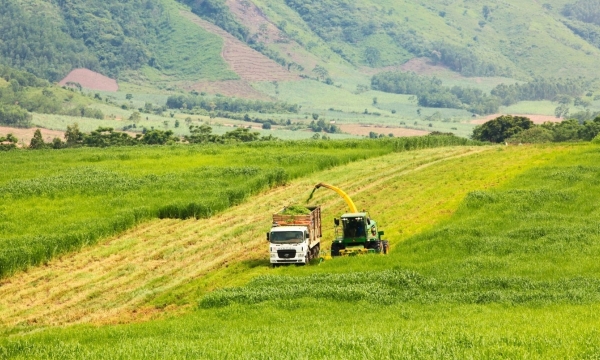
(493, 256)
(70, 198)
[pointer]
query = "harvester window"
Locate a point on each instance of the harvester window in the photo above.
(354, 227)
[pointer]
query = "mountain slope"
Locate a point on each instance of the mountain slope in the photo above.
(112, 37)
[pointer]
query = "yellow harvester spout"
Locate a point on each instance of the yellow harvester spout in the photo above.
(342, 194)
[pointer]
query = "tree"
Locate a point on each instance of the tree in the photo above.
(501, 128)
(8, 143)
(486, 11)
(266, 126)
(315, 116)
(321, 72)
(73, 136)
(128, 96)
(135, 117)
(372, 56)
(534, 135)
(37, 142)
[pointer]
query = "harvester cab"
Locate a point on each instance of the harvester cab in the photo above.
(355, 232)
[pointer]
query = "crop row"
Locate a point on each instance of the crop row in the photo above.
(395, 286)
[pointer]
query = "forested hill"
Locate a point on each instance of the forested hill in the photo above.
(121, 38)
(51, 37)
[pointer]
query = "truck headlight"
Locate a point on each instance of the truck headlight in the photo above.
(273, 255)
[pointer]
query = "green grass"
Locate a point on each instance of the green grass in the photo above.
(66, 199)
(511, 274)
(343, 331)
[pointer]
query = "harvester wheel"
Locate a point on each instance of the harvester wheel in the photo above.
(335, 249)
(375, 245)
(386, 246)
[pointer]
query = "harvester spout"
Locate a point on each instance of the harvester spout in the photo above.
(345, 196)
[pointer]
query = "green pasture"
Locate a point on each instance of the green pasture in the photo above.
(339, 329)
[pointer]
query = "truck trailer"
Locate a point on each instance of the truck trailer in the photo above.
(295, 239)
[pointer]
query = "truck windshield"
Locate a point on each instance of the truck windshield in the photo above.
(287, 237)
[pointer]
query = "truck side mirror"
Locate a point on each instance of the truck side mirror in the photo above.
(307, 236)
(268, 237)
(336, 221)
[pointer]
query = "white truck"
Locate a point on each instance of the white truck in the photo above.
(295, 239)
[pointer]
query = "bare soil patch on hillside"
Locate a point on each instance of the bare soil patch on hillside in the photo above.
(90, 80)
(537, 119)
(357, 129)
(25, 135)
(234, 88)
(248, 63)
(256, 21)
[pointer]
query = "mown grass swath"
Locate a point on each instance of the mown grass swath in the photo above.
(70, 198)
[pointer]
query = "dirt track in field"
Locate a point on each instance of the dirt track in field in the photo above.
(113, 281)
(90, 80)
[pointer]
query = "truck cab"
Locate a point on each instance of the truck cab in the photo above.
(295, 239)
(289, 245)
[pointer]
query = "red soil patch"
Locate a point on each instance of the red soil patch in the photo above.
(25, 135)
(256, 21)
(248, 63)
(537, 119)
(90, 80)
(238, 88)
(357, 129)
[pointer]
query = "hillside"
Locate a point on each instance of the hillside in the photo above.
(321, 55)
(493, 255)
(512, 39)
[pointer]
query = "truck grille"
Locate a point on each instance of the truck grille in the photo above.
(286, 254)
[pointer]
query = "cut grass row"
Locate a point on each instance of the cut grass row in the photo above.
(62, 200)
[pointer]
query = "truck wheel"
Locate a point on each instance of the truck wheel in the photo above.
(386, 246)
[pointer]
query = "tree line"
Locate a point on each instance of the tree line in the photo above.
(192, 101)
(519, 129)
(108, 137)
(431, 93)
